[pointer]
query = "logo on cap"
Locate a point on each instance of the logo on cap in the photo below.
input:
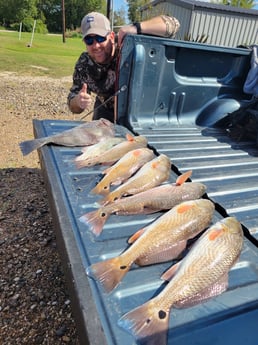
(90, 19)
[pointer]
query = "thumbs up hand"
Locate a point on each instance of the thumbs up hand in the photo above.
(84, 99)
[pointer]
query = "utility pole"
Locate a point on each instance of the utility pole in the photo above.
(108, 8)
(63, 20)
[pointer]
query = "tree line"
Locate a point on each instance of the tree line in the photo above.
(49, 14)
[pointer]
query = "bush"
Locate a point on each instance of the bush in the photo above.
(73, 34)
(27, 26)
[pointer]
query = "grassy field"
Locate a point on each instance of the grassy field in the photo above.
(47, 55)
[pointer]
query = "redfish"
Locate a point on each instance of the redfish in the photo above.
(123, 169)
(115, 153)
(162, 240)
(95, 150)
(85, 134)
(150, 175)
(159, 198)
(202, 274)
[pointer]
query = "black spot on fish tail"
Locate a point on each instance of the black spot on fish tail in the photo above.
(162, 314)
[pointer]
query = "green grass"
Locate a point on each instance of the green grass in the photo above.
(47, 55)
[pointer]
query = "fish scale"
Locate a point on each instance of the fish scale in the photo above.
(87, 133)
(206, 263)
(123, 169)
(169, 233)
(204, 257)
(159, 198)
(152, 174)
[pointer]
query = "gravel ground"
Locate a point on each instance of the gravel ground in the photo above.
(34, 301)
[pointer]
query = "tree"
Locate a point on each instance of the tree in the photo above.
(119, 17)
(248, 4)
(134, 9)
(14, 11)
(49, 12)
(76, 9)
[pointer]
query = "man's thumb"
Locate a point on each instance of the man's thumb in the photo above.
(84, 88)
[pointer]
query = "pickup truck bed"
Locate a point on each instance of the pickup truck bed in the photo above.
(181, 131)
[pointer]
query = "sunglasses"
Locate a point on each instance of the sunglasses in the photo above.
(90, 39)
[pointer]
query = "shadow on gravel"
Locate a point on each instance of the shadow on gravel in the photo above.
(34, 302)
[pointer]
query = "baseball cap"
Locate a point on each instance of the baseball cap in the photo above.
(95, 23)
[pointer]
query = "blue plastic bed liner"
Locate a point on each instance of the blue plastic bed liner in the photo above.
(229, 171)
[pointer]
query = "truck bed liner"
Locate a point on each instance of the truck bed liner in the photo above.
(229, 171)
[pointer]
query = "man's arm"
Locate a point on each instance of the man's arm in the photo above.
(162, 25)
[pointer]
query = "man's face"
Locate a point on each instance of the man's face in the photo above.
(102, 52)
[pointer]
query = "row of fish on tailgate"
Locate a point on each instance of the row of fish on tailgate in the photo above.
(144, 189)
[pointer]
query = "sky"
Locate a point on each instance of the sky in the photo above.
(118, 4)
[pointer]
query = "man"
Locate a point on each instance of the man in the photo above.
(95, 70)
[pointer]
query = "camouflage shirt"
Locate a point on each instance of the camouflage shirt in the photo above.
(100, 79)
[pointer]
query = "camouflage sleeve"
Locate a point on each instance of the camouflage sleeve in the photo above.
(172, 25)
(78, 77)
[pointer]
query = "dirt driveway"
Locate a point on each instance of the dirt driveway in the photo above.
(34, 301)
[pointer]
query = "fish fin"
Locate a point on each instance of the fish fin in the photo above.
(162, 255)
(118, 181)
(95, 220)
(104, 201)
(169, 274)
(129, 137)
(106, 171)
(183, 178)
(109, 272)
(203, 296)
(147, 323)
(78, 158)
(135, 236)
(30, 145)
(82, 163)
(85, 148)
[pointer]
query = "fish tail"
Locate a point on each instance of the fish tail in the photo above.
(110, 197)
(30, 145)
(95, 220)
(82, 163)
(79, 164)
(101, 189)
(109, 272)
(147, 323)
